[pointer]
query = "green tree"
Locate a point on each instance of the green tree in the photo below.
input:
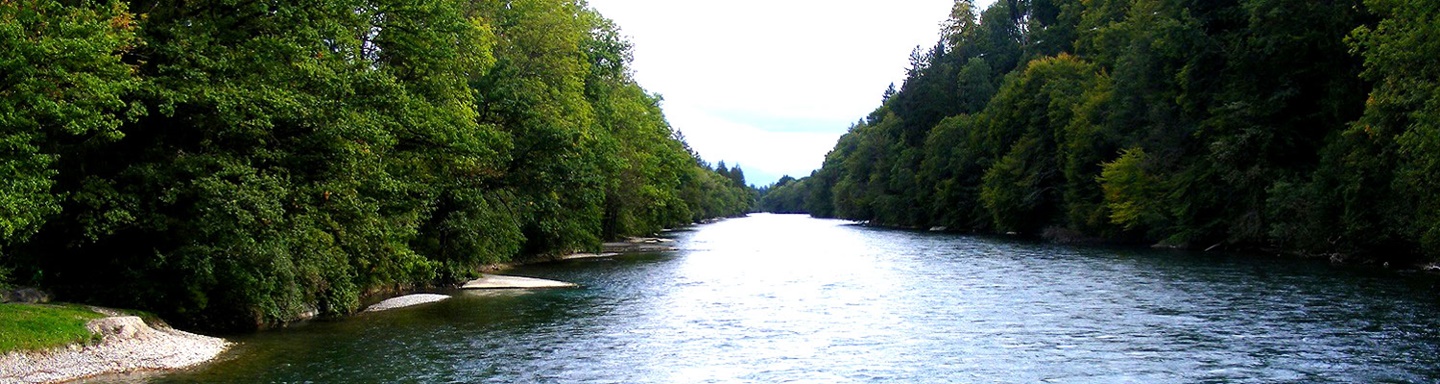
(536, 94)
(286, 164)
(1134, 194)
(1027, 122)
(62, 81)
(1380, 174)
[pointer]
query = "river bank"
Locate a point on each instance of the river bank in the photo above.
(491, 280)
(1061, 236)
(787, 298)
(126, 344)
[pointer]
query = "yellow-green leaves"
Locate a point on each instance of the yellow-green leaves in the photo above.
(1133, 194)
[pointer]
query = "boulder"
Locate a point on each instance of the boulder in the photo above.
(123, 327)
(24, 295)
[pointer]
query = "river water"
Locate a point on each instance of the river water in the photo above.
(785, 298)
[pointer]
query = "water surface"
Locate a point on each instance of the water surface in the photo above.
(783, 298)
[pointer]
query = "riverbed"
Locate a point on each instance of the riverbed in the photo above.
(786, 298)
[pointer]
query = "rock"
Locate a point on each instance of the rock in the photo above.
(124, 327)
(310, 313)
(108, 312)
(1169, 245)
(406, 301)
(514, 282)
(24, 295)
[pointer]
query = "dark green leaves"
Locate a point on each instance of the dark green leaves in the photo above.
(1199, 123)
(297, 155)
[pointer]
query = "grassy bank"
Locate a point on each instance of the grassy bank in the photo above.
(43, 326)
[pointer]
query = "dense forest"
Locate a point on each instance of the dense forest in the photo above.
(1285, 125)
(233, 164)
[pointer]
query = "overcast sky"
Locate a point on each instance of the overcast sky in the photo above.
(772, 84)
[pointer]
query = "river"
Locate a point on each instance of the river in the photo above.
(785, 298)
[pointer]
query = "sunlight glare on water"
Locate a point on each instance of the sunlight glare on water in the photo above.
(784, 298)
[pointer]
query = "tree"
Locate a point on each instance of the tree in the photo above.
(961, 24)
(1378, 178)
(737, 175)
(1229, 113)
(1027, 123)
(536, 94)
(62, 81)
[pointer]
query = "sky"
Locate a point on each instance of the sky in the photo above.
(771, 85)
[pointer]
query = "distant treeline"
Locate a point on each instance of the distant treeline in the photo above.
(231, 164)
(1298, 125)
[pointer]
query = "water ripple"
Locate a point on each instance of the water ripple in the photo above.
(786, 299)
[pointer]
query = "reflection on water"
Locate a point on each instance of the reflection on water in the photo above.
(775, 298)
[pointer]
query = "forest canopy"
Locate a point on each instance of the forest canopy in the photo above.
(1302, 126)
(230, 165)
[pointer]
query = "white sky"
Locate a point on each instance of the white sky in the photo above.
(772, 84)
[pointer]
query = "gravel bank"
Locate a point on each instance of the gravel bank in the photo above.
(405, 301)
(641, 245)
(128, 345)
(514, 282)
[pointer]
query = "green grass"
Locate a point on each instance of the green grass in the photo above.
(41, 326)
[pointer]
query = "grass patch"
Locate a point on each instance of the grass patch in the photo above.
(31, 327)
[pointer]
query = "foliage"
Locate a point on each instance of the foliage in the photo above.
(1392, 153)
(1239, 123)
(61, 80)
(1134, 196)
(1021, 190)
(237, 165)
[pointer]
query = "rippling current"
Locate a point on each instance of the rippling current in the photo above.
(783, 298)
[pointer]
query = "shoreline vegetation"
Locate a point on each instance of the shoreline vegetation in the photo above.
(243, 168)
(1062, 237)
(48, 343)
(1191, 125)
(235, 167)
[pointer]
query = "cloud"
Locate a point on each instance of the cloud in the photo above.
(771, 84)
(764, 154)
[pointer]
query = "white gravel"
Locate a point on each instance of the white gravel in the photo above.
(576, 256)
(514, 282)
(129, 345)
(406, 301)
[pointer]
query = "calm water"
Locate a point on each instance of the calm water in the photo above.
(775, 298)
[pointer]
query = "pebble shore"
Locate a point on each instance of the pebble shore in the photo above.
(406, 301)
(128, 345)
